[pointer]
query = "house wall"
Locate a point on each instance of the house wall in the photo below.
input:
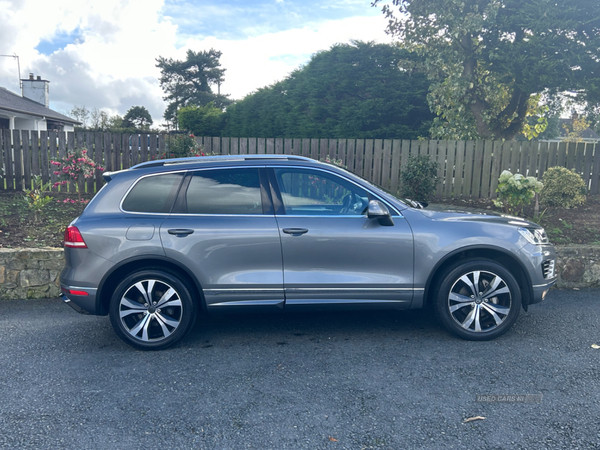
(29, 124)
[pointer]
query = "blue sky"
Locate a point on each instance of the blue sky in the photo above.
(237, 19)
(59, 41)
(102, 54)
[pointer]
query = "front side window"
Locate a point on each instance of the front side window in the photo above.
(314, 192)
(153, 194)
(224, 191)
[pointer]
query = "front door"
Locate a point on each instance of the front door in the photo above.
(333, 254)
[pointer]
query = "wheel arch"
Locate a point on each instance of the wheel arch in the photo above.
(509, 261)
(114, 277)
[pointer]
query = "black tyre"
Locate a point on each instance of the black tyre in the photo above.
(152, 309)
(477, 300)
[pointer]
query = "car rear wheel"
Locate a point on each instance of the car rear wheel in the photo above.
(478, 300)
(152, 309)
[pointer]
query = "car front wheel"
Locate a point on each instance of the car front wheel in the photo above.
(478, 300)
(152, 310)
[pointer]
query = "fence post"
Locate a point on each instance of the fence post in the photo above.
(18, 157)
(44, 156)
(35, 153)
(450, 157)
(26, 159)
(486, 169)
(496, 167)
(596, 169)
(396, 153)
(377, 157)
(587, 169)
(62, 153)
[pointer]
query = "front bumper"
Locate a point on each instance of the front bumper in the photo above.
(540, 261)
(540, 291)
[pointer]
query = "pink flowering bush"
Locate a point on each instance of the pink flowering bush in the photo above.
(70, 200)
(75, 168)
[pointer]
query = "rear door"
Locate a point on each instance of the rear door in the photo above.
(224, 230)
(333, 254)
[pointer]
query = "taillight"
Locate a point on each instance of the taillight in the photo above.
(73, 238)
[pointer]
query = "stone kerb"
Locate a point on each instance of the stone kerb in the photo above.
(33, 273)
(30, 272)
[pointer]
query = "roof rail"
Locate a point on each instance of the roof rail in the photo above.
(207, 159)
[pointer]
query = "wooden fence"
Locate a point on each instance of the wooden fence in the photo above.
(466, 168)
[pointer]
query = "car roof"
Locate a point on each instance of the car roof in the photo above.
(177, 164)
(219, 158)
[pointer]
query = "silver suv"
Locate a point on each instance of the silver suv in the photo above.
(167, 240)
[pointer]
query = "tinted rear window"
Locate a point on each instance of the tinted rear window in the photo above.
(153, 194)
(224, 191)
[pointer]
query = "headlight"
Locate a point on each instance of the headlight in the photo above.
(534, 236)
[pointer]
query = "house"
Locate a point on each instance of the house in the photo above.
(30, 110)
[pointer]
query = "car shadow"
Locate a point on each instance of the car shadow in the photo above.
(281, 327)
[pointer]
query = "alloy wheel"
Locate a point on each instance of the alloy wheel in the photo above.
(479, 301)
(150, 310)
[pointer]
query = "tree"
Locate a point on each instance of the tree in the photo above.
(115, 123)
(137, 117)
(190, 82)
(352, 90)
(575, 129)
(81, 114)
(488, 59)
(99, 120)
(201, 120)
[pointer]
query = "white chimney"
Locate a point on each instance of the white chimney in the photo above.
(36, 89)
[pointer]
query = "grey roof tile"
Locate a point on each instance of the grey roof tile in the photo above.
(9, 101)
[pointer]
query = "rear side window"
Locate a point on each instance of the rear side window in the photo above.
(224, 191)
(154, 194)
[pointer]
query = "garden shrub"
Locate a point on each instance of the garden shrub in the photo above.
(563, 188)
(76, 167)
(516, 191)
(181, 146)
(419, 178)
(35, 198)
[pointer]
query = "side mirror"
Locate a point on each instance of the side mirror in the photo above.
(377, 210)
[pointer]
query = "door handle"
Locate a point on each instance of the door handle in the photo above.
(295, 231)
(180, 232)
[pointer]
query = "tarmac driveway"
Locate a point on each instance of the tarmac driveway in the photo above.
(309, 381)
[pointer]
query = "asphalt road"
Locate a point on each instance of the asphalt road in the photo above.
(359, 380)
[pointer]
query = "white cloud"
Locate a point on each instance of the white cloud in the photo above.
(112, 63)
(265, 59)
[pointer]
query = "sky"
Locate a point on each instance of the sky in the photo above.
(101, 54)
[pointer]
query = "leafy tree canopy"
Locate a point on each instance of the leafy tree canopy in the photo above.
(490, 59)
(352, 90)
(201, 120)
(190, 82)
(137, 117)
